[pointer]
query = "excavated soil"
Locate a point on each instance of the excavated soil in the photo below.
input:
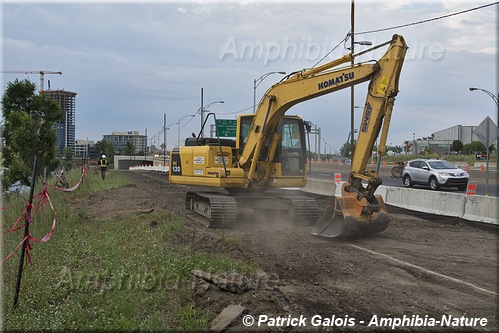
(421, 268)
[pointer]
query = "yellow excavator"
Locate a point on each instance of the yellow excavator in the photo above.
(269, 152)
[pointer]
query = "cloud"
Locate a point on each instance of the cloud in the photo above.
(132, 62)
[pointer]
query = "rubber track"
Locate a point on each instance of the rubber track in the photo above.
(305, 211)
(223, 209)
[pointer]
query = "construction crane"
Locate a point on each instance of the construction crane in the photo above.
(42, 73)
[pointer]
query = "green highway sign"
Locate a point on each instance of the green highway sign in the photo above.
(226, 128)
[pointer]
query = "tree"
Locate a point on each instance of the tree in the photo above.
(457, 145)
(129, 149)
(105, 148)
(28, 131)
(473, 147)
(68, 158)
(345, 149)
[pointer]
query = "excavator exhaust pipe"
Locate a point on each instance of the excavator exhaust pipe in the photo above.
(342, 219)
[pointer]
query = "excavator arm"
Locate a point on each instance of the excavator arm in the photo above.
(358, 210)
(311, 83)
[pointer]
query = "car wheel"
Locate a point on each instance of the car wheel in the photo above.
(407, 181)
(433, 183)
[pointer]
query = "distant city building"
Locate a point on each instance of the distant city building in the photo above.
(65, 127)
(440, 142)
(462, 133)
(153, 149)
(85, 149)
(120, 140)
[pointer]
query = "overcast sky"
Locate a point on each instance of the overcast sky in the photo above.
(132, 62)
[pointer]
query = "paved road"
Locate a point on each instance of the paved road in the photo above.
(328, 171)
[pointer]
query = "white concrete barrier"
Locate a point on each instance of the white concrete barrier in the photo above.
(322, 187)
(433, 202)
(473, 208)
(150, 168)
(482, 209)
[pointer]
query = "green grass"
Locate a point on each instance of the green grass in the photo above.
(95, 183)
(93, 274)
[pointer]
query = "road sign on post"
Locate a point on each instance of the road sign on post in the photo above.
(226, 128)
(487, 133)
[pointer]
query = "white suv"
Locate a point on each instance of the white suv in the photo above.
(434, 173)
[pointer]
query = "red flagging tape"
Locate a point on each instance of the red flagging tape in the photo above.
(43, 197)
(83, 172)
(14, 228)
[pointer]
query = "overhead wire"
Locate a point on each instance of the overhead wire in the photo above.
(348, 35)
(334, 48)
(344, 40)
(187, 123)
(425, 21)
(235, 112)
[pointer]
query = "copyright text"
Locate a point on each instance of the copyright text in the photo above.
(374, 321)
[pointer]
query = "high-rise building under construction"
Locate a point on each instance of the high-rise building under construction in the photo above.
(65, 127)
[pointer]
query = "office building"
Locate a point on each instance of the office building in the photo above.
(120, 140)
(85, 149)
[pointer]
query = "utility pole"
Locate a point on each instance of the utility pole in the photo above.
(202, 114)
(164, 139)
(352, 89)
(319, 144)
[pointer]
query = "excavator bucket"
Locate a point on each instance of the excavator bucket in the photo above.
(342, 220)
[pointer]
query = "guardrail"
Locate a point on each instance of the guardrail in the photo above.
(476, 208)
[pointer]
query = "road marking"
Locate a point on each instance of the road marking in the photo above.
(426, 270)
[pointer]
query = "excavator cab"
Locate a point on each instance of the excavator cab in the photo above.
(290, 159)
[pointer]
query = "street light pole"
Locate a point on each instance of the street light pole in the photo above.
(165, 138)
(414, 144)
(256, 83)
(203, 110)
(325, 147)
(202, 114)
(494, 98)
(178, 124)
(352, 90)
(178, 132)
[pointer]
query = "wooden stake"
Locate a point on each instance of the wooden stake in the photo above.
(26, 233)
